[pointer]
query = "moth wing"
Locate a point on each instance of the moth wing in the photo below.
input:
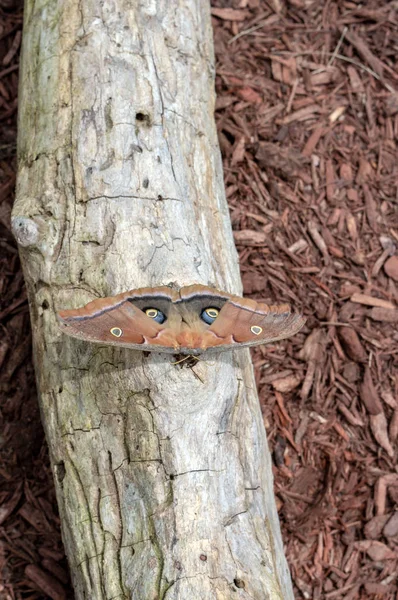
(244, 322)
(120, 324)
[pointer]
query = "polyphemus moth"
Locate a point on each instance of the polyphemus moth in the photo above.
(190, 320)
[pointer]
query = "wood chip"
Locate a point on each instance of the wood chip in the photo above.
(287, 384)
(391, 267)
(318, 240)
(330, 181)
(355, 81)
(371, 301)
(313, 140)
(352, 419)
(365, 52)
(249, 95)
(386, 315)
(391, 527)
(8, 507)
(381, 487)
(376, 590)
(303, 114)
(46, 582)
(238, 152)
(370, 207)
(376, 550)
(230, 14)
(374, 527)
(250, 237)
(369, 395)
(393, 431)
(378, 425)
(352, 344)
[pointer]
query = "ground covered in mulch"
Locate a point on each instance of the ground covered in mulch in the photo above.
(307, 115)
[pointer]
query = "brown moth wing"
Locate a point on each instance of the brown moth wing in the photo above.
(197, 289)
(104, 304)
(95, 321)
(183, 331)
(233, 326)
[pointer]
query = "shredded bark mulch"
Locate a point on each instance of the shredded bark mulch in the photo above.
(307, 116)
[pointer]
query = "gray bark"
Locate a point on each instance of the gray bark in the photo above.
(163, 474)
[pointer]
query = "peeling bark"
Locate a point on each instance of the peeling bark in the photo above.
(162, 472)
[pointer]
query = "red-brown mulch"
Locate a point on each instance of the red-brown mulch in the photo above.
(307, 115)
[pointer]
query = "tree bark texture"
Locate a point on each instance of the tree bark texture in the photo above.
(162, 472)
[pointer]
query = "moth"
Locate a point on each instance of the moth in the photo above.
(189, 320)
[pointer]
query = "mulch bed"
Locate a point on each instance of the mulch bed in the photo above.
(307, 115)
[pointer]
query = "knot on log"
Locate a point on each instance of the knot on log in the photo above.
(26, 231)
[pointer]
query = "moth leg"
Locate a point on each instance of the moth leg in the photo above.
(178, 362)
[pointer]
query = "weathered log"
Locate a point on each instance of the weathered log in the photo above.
(162, 472)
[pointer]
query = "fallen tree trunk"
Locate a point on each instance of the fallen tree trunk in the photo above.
(162, 473)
